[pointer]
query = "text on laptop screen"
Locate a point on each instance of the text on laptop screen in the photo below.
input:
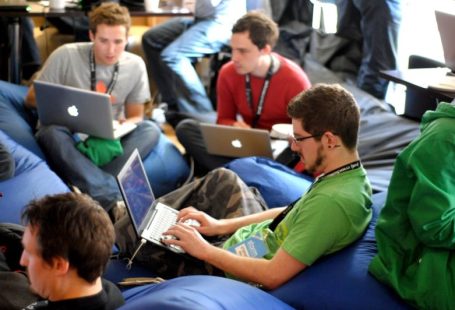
(137, 192)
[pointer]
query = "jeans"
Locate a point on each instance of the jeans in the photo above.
(99, 182)
(377, 23)
(170, 49)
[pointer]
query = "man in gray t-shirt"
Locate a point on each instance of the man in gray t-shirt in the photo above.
(102, 65)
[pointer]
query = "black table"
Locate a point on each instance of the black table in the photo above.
(38, 10)
(419, 97)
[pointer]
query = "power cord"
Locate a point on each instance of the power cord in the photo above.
(130, 260)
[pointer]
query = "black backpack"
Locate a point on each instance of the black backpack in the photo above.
(10, 244)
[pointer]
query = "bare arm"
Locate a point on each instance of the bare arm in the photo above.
(134, 113)
(269, 273)
(213, 227)
(30, 99)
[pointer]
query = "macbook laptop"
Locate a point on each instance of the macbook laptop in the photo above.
(446, 25)
(79, 110)
(149, 218)
(232, 141)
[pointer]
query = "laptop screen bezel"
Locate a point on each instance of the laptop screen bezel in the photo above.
(138, 227)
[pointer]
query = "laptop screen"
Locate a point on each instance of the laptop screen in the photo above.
(446, 24)
(136, 189)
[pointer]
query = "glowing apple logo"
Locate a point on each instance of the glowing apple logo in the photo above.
(72, 110)
(236, 143)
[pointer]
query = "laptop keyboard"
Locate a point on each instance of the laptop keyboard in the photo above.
(162, 220)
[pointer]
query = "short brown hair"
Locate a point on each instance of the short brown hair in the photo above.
(262, 29)
(75, 227)
(109, 13)
(327, 107)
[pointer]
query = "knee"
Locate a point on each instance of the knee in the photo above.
(149, 40)
(150, 130)
(51, 133)
(186, 128)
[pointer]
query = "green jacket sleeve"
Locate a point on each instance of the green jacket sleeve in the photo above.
(432, 205)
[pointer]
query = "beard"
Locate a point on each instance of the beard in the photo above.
(316, 166)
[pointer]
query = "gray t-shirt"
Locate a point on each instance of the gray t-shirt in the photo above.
(70, 65)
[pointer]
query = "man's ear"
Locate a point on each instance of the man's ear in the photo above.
(332, 140)
(267, 49)
(91, 35)
(60, 265)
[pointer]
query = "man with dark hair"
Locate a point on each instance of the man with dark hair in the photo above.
(256, 85)
(102, 65)
(67, 243)
(331, 215)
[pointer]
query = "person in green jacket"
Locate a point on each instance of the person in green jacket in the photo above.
(415, 231)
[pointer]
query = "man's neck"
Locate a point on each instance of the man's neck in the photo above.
(76, 288)
(263, 67)
(340, 159)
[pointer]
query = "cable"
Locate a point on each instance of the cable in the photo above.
(130, 260)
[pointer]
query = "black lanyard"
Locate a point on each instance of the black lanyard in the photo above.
(93, 74)
(265, 87)
(351, 166)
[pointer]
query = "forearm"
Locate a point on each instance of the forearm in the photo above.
(229, 226)
(30, 99)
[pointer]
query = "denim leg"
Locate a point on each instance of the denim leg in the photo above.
(189, 134)
(71, 165)
(376, 23)
(154, 41)
(380, 25)
(145, 137)
(184, 87)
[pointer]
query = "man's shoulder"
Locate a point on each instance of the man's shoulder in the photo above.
(130, 58)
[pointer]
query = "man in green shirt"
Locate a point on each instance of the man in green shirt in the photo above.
(415, 231)
(270, 246)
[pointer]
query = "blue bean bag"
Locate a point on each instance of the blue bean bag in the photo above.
(15, 120)
(33, 179)
(165, 167)
(278, 184)
(341, 280)
(200, 292)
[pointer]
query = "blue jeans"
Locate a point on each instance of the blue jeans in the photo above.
(99, 182)
(170, 49)
(377, 23)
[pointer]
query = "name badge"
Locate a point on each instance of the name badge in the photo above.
(254, 246)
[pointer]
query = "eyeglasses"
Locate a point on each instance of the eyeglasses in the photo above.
(300, 139)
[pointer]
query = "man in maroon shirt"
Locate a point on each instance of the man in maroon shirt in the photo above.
(253, 89)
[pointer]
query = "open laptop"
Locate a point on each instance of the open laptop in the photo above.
(446, 25)
(232, 141)
(79, 110)
(149, 218)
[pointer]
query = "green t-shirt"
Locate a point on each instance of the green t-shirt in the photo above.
(333, 214)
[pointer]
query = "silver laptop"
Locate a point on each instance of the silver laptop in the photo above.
(232, 141)
(79, 110)
(149, 218)
(446, 26)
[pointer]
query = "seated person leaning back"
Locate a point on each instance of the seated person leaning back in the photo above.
(102, 65)
(256, 85)
(330, 216)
